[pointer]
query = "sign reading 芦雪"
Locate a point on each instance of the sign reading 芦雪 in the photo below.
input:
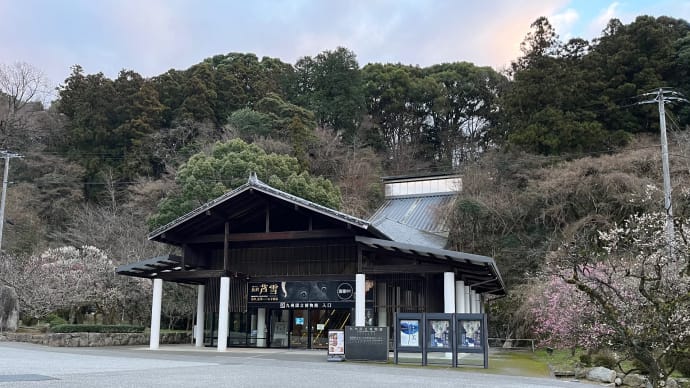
(303, 294)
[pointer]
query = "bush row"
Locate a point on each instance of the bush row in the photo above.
(97, 329)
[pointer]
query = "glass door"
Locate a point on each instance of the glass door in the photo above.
(323, 320)
(299, 333)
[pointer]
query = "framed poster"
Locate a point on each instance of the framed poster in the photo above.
(336, 342)
(439, 333)
(409, 333)
(470, 334)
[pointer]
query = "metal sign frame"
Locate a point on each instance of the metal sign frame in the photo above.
(462, 333)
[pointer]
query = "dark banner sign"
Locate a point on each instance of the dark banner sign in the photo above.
(302, 294)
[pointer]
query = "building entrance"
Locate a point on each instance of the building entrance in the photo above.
(305, 328)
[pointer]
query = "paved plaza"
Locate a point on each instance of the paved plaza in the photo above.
(27, 365)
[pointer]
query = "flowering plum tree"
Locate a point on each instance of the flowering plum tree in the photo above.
(68, 278)
(562, 316)
(637, 285)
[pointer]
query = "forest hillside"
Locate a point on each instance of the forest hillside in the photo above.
(558, 140)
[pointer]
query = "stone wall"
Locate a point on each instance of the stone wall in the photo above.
(94, 339)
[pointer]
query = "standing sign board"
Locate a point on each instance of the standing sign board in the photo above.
(369, 343)
(336, 345)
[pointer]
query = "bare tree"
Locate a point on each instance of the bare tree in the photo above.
(21, 83)
(22, 86)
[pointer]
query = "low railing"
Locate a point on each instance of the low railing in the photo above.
(513, 343)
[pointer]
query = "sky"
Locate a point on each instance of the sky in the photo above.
(153, 36)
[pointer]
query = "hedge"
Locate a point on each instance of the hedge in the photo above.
(97, 329)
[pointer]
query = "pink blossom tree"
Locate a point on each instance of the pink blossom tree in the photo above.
(564, 317)
(637, 285)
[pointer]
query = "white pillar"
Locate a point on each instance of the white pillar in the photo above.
(468, 305)
(381, 303)
(223, 314)
(478, 297)
(359, 299)
(261, 328)
(156, 313)
(459, 296)
(200, 289)
(473, 301)
(448, 292)
(252, 328)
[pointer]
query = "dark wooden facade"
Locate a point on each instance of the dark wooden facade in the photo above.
(258, 233)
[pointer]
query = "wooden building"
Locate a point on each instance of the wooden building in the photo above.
(276, 270)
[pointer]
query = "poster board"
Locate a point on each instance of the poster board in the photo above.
(440, 332)
(471, 335)
(336, 345)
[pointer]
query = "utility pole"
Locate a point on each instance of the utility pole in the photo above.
(662, 96)
(7, 156)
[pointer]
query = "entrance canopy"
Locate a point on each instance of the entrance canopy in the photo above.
(477, 271)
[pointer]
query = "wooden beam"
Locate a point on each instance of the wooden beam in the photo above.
(404, 268)
(226, 247)
(184, 275)
(288, 235)
(268, 219)
(215, 215)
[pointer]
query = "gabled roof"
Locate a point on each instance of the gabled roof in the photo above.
(415, 219)
(254, 184)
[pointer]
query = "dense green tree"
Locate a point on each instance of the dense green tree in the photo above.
(629, 60)
(249, 123)
(169, 86)
(108, 122)
(290, 123)
(208, 175)
(330, 85)
(465, 110)
(214, 88)
(200, 94)
(442, 115)
(398, 98)
(550, 105)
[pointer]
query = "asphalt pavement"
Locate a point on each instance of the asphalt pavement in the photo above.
(27, 365)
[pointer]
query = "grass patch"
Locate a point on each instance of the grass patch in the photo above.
(511, 363)
(518, 363)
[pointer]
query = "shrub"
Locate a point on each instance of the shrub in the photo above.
(683, 366)
(586, 359)
(607, 360)
(55, 320)
(640, 367)
(97, 329)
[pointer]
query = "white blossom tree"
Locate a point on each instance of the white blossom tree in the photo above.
(638, 286)
(69, 278)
